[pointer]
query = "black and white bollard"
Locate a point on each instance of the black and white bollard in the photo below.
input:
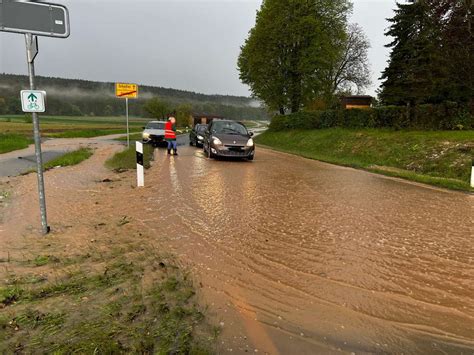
(140, 170)
(472, 174)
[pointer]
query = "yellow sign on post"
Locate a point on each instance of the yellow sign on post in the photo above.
(126, 91)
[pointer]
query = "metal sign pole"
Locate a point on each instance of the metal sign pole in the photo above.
(32, 51)
(128, 130)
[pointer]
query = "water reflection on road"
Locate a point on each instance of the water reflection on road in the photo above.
(325, 257)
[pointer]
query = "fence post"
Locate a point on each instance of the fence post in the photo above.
(140, 169)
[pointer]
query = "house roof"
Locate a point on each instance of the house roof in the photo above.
(358, 97)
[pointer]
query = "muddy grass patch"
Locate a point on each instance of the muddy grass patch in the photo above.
(127, 159)
(132, 302)
(69, 159)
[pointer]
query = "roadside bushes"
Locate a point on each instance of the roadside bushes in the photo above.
(446, 116)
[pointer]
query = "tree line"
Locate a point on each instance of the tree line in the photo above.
(67, 97)
(432, 54)
(302, 55)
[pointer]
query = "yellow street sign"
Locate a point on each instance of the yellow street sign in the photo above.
(126, 91)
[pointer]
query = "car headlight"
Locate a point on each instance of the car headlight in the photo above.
(216, 141)
(200, 137)
(250, 143)
(146, 135)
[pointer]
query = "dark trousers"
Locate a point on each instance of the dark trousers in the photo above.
(172, 144)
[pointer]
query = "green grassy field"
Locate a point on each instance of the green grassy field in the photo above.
(76, 119)
(89, 133)
(69, 127)
(437, 158)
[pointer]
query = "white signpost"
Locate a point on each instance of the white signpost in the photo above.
(34, 19)
(33, 101)
(472, 174)
(140, 168)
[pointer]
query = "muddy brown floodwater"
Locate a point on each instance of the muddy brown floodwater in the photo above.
(294, 256)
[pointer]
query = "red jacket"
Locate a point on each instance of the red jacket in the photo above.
(170, 131)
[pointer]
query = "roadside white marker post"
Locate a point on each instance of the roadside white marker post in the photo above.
(140, 169)
(472, 174)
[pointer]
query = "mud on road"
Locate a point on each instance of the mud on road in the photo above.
(292, 256)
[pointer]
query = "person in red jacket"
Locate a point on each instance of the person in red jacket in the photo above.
(170, 135)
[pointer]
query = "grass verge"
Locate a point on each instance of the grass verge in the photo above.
(12, 141)
(437, 158)
(128, 299)
(127, 159)
(71, 158)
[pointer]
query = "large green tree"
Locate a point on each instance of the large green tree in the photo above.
(288, 53)
(183, 114)
(3, 106)
(415, 61)
(158, 108)
(350, 72)
(432, 53)
(458, 49)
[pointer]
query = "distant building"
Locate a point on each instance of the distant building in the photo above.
(202, 118)
(357, 101)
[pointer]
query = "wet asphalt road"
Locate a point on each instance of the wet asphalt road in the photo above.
(314, 258)
(24, 160)
(22, 164)
(322, 257)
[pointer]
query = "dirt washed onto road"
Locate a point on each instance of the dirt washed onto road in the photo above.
(292, 256)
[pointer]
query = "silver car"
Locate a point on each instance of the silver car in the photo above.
(154, 133)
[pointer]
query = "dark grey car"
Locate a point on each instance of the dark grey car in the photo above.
(226, 138)
(196, 136)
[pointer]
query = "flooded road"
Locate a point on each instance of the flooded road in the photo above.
(291, 256)
(317, 258)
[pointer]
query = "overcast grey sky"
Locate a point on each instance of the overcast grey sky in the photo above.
(183, 44)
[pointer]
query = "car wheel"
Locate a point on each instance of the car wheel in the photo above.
(210, 155)
(250, 158)
(190, 142)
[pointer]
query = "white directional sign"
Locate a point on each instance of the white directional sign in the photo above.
(34, 17)
(33, 100)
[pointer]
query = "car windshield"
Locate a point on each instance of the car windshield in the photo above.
(227, 127)
(155, 125)
(201, 128)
